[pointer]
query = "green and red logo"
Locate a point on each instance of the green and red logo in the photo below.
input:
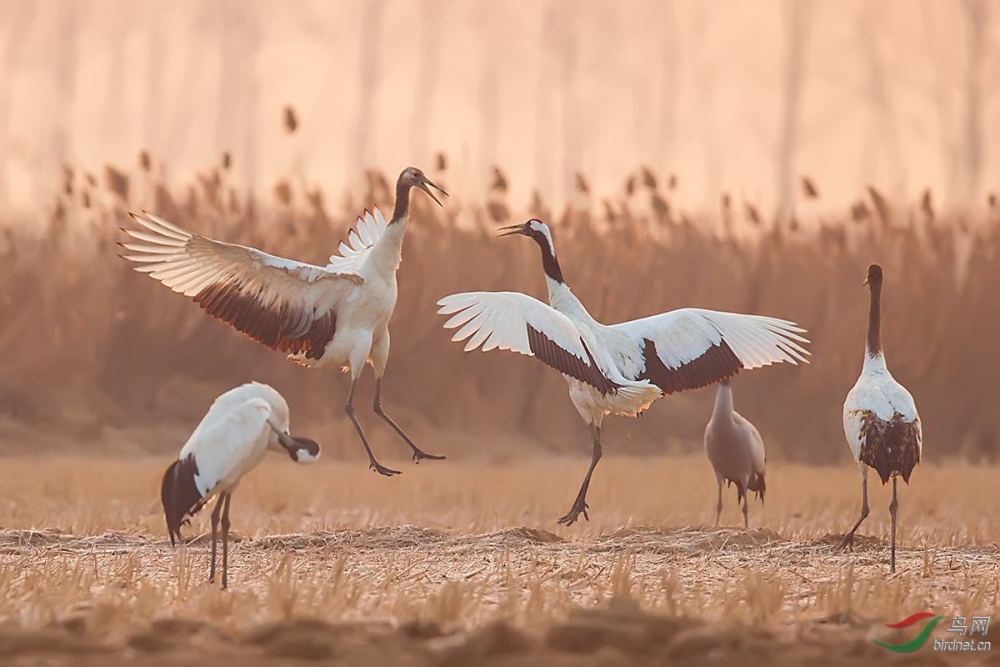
(920, 639)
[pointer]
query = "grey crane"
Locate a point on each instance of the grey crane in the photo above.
(735, 449)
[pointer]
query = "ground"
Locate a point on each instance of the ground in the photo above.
(463, 563)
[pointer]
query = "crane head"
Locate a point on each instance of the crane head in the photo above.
(411, 177)
(535, 229)
(300, 450)
(540, 233)
(874, 277)
(303, 450)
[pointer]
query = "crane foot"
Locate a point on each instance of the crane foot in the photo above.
(382, 470)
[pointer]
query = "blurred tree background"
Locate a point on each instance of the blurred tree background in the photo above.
(745, 156)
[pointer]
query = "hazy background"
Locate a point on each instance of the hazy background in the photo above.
(731, 95)
(753, 156)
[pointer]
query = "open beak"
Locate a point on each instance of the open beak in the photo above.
(510, 230)
(423, 186)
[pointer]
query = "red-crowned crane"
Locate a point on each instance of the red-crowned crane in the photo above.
(621, 368)
(229, 442)
(880, 418)
(335, 315)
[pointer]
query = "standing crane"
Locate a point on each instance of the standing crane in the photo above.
(880, 418)
(320, 316)
(735, 450)
(620, 368)
(229, 442)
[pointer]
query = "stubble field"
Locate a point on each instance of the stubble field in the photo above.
(463, 563)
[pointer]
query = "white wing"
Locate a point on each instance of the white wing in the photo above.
(229, 441)
(520, 323)
(692, 347)
(284, 304)
(368, 229)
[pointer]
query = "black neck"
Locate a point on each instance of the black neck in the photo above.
(402, 201)
(551, 266)
(549, 262)
(875, 321)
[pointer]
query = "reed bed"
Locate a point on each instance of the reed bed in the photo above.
(96, 356)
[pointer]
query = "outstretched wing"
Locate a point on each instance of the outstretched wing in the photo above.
(369, 228)
(288, 306)
(517, 322)
(692, 347)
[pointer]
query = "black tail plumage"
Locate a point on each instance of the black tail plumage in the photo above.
(757, 485)
(890, 447)
(179, 495)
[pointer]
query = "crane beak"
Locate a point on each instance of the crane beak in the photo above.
(510, 230)
(300, 450)
(865, 283)
(428, 182)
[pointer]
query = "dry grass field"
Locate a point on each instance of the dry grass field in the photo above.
(460, 563)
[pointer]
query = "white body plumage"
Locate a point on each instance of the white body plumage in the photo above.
(235, 434)
(877, 393)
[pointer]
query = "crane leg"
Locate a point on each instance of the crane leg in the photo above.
(893, 506)
(215, 533)
(848, 542)
(580, 504)
(372, 462)
(746, 518)
(418, 453)
(718, 505)
(225, 541)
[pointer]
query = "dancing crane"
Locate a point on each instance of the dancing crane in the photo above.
(229, 442)
(880, 418)
(622, 368)
(736, 451)
(334, 315)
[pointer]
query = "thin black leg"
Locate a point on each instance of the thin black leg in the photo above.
(893, 506)
(746, 519)
(372, 462)
(718, 505)
(580, 504)
(215, 532)
(225, 542)
(848, 542)
(418, 453)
